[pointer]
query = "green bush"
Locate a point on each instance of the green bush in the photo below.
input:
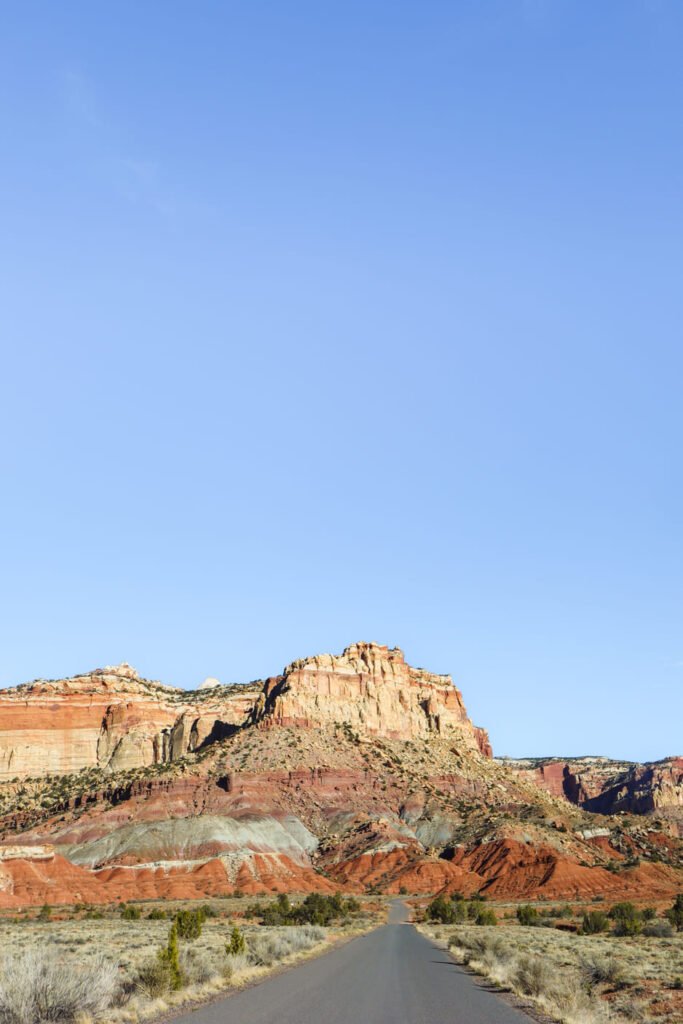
(527, 915)
(129, 913)
(189, 924)
(442, 910)
(486, 916)
(675, 914)
(156, 914)
(627, 919)
(315, 909)
(207, 911)
(45, 912)
(236, 943)
(594, 922)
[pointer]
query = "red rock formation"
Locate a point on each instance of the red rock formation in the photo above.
(610, 787)
(111, 718)
(371, 689)
(353, 770)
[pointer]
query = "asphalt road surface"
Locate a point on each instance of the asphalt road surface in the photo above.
(390, 976)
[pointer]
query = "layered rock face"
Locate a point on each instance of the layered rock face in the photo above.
(351, 770)
(371, 689)
(109, 718)
(602, 786)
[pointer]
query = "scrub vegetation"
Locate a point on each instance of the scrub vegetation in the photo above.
(135, 962)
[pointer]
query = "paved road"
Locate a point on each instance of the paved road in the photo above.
(390, 976)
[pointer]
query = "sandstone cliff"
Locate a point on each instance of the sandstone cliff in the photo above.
(109, 718)
(603, 786)
(371, 689)
(351, 770)
(113, 719)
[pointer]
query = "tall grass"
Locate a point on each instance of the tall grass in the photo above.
(278, 944)
(35, 988)
(564, 995)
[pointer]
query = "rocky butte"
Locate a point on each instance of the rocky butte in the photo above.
(353, 770)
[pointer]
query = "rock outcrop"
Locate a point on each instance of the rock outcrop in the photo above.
(370, 689)
(113, 719)
(603, 786)
(110, 718)
(352, 770)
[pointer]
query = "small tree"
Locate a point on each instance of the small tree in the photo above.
(675, 913)
(45, 912)
(169, 957)
(236, 945)
(189, 924)
(130, 913)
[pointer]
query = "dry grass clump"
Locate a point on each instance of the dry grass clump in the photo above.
(559, 994)
(601, 970)
(577, 979)
(279, 943)
(36, 989)
(62, 971)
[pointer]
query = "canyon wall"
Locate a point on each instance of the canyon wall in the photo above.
(109, 718)
(113, 719)
(371, 689)
(604, 786)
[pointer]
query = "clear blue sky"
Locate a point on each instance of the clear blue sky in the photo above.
(336, 321)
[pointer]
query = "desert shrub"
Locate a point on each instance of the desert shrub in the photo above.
(207, 911)
(45, 912)
(315, 909)
(267, 949)
(594, 922)
(169, 957)
(527, 915)
(658, 930)
(675, 913)
(156, 914)
(486, 916)
(195, 969)
(648, 913)
(189, 924)
(234, 964)
(129, 913)
(442, 910)
(236, 945)
(490, 949)
(482, 946)
(571, 1002)
(34, 987)
(531, 976)
(627, 919)
(153, 978)
(601, 970)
